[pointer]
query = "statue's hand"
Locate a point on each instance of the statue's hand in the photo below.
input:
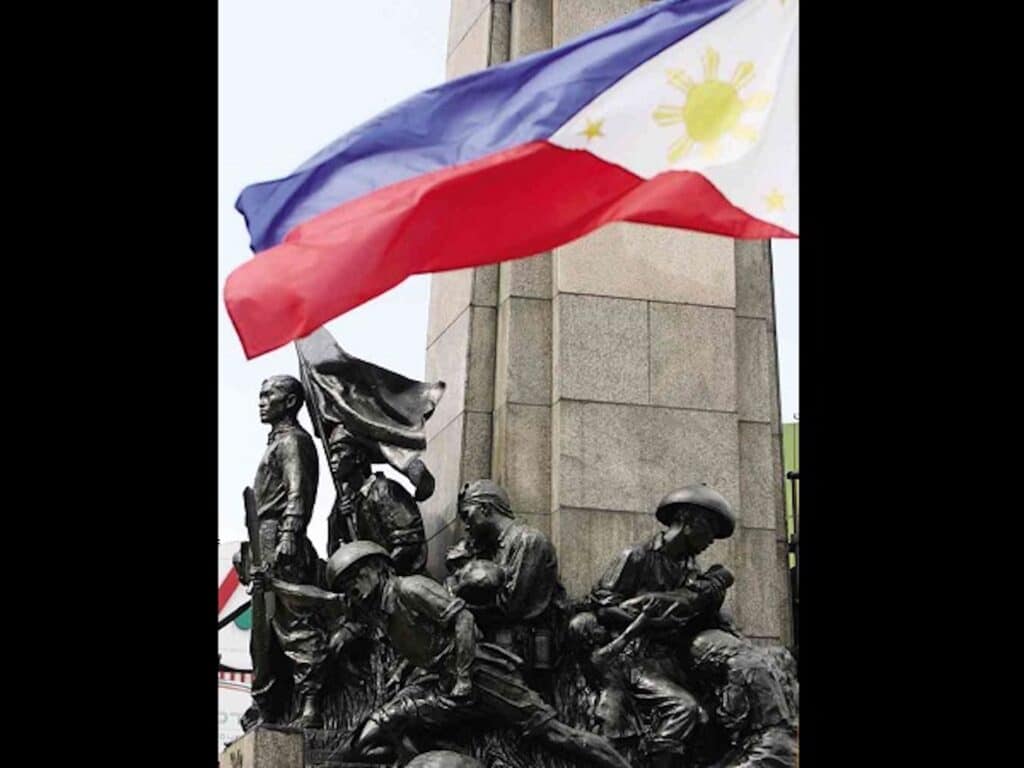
(259, 580)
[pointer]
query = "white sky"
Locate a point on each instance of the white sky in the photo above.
(293, 77)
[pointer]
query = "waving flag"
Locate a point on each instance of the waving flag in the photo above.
(682, 114)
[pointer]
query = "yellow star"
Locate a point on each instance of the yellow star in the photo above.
(775, 200)
(593, 129)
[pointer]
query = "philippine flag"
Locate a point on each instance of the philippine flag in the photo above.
(682, 114)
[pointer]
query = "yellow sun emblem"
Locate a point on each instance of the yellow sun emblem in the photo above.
(712, 110)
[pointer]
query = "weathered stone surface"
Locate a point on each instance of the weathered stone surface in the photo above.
(572, 18)
(601, 347)
(448, 360)
(753, 371)
(444, 457)
(485, 285)
(450, 294)
(529, 278)
(501, 22)
(646, 262)
(463, 357)
(480, 375)
(759, 589)
(264, 748)
(531, 26)
(523, 371)
(464, 13)
(476, 446)
(588, 540)
(758, 481)
(624, 457)
(522, 455)
(693, 357)
(753, 279)
(472, 53)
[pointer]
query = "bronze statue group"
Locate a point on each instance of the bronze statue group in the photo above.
(668, 677)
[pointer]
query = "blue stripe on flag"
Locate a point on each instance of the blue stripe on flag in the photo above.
(521, 101)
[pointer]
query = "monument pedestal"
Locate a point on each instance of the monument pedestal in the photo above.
(265, 748)
(282, 747)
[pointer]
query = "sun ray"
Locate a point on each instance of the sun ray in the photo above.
(679, 148)
(710, 150)
(668, 115)
(759, 100)
(743, 75)
(711, 64)
(678, 78)
(744, 132)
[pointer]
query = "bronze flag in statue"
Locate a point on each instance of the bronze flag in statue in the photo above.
(383, 410)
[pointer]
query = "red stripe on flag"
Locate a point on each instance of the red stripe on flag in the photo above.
(227, 588)
(507, 205)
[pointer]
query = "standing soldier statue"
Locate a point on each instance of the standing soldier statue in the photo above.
(278, 510)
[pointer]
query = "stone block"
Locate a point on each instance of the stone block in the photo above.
(522, 455)
(265, 748)
(753, 279)
(641, 261)
(464, 14)
(572, 18)
(588, 540)
(472, 52)
(693, 357)
(529, 277)
(759, 591)
(757, 477)
(501, 23)
(485, 286)
(753, 370)
(450, 295)
(523, 372)
(622, 457)
(531, 27)
(476, 447)
(444, 459)
(480, 365)
(448, 359)
(601, 348)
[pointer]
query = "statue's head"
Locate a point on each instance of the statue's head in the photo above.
(345, 454)
(711, 649)
(481, 502)
(358, 569)
(695, 516)
(280, 397)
